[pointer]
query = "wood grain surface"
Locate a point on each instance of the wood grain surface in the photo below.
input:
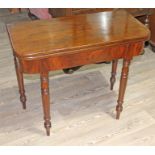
(87, 108)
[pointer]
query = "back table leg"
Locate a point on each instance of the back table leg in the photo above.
(122, 87)
(20, 82)
(46, 101)
(113, 74)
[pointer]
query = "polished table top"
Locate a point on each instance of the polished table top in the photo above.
(47, 37)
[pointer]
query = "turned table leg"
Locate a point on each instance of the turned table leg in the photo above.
(122, 87)
(46, 101)
(113, 74)
(20, 82)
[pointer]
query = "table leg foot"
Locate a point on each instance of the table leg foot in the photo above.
(20, 83)
(119, 109)
(113, 74)
(46, 101)
(47, 125)
(23, 101)
(122, 87)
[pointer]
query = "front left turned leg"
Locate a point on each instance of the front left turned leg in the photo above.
(20, 82)
(122, 87)
(46, 101)
(113, 74)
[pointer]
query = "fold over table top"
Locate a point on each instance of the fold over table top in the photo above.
(63, 35)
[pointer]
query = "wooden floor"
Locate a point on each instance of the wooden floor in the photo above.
(83, 107)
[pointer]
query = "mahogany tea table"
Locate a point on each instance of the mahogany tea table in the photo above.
(47, 45)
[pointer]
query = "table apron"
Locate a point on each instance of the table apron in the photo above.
(62, 61)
